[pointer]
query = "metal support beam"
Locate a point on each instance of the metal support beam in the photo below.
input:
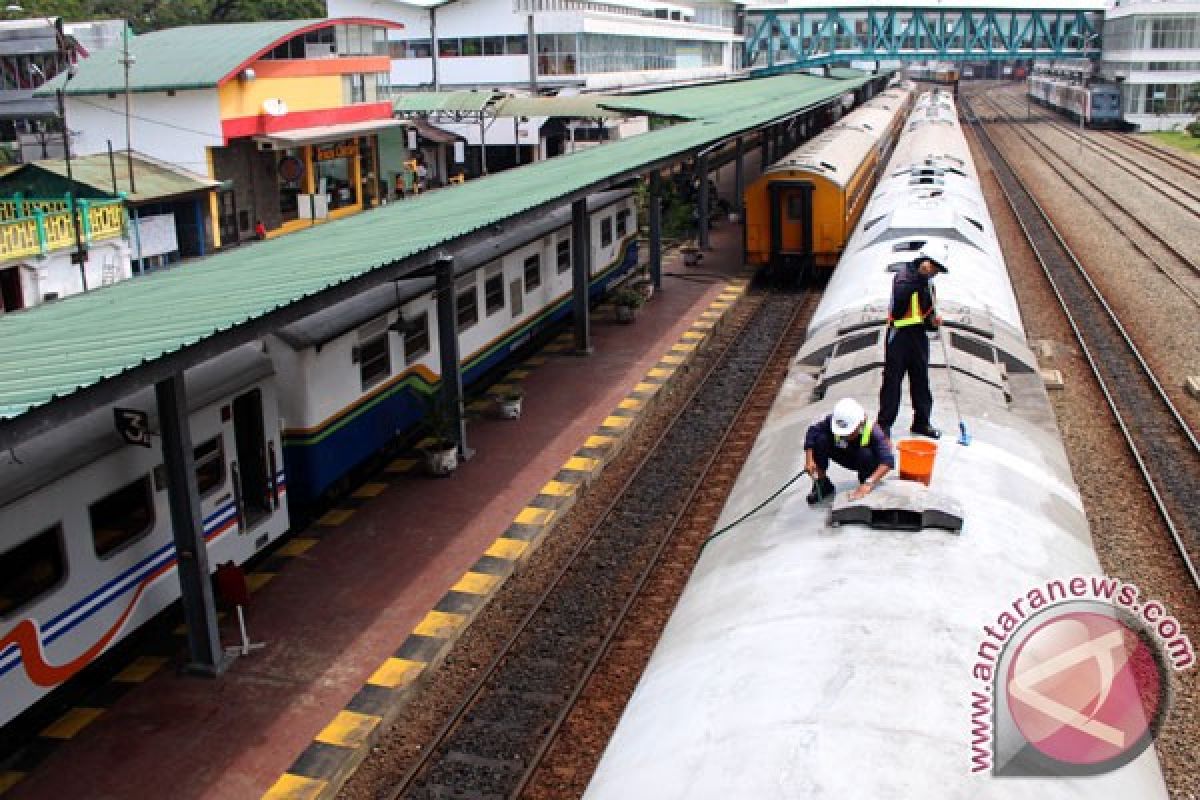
(656, 230)
(205, 656)
(702, 222)
(739, 176)
(764, 150)
(531, 47)
(437, 82)
(581, 269)
(452, 391)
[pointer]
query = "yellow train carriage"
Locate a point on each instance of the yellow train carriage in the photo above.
(802, 210)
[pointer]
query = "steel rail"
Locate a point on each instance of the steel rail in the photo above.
(508, 647)
(1051, 163)
(1186, 165)
(1005, 170)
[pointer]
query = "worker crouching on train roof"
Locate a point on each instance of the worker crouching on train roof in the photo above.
(848, 438)
(912, 313)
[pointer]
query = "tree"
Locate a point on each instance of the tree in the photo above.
(152, 15)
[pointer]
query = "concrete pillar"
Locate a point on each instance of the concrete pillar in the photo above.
(702, 174)
(739, 176)
(447, 312)
(581, 269)
(656, 230)
(205, 655)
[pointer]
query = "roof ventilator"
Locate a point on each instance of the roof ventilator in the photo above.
(900, 506)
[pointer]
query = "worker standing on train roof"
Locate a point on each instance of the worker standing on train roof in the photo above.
(848, 438)
(912, 313)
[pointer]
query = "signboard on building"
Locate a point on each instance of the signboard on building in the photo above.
(154, 236)
(328, 152)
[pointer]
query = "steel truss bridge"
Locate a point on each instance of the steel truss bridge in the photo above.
(786, 39)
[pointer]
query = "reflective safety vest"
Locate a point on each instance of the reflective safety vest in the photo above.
(915, 317)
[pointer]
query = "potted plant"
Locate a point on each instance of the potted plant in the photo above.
(627, 301)
(508, 402)
(441, 453)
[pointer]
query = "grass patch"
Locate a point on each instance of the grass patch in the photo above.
(1180, 141)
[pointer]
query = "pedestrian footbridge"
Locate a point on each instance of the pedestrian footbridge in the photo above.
(781, 37)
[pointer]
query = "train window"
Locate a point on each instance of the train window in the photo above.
(493, 293)
(468, 306)
(533, 272)
(416, 338)
(31, 569)
(622, 223)
(606, 228)
(209, 458)
(563, 255)
(374, 361)
(795, 206)
(122, 517)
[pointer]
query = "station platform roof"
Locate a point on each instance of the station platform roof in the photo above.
(113, 340)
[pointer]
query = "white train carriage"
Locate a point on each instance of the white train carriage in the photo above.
(86, 549)
(357, 372)
(808, 660)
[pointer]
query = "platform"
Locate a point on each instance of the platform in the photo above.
(352, 608)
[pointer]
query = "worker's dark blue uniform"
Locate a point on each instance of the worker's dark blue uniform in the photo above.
(861, 452)
(907, 350)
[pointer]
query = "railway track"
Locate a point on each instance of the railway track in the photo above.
(1157, 182)
(493, 741)
(1190, 270)
(1164, 447)
(1174, 160)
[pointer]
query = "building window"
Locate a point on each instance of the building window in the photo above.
(468, 306)
(493, 45)
(416, 338)
(472, 46)
(448, 48)
(374, 361)
(31, 569)
(606, 232)
(209, 458)
(563, 255)
(516, 45)
(533, 272)
(493, 293)
(122, 517)
(622, 223)
(353, 89)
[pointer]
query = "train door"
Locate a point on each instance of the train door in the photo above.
(791, 228)
(252, 483)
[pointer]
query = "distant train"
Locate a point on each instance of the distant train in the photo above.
(802, 209)
(834, 653)
(86, 548)
(1099, 105)
(933, 73)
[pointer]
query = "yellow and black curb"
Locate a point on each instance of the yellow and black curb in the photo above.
(340, 747)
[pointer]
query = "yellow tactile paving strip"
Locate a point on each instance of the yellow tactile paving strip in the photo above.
(328, 761)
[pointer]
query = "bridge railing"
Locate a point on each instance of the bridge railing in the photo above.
(35, 227)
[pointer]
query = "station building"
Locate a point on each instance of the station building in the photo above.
(587, 44)
(1152, 50)
(291, 117)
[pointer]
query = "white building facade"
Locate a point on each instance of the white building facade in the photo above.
(588, 44)
(1152, 49)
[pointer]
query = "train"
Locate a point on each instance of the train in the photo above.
(86, 548)
(822, 651)
(1098, 105)
(802, 209)
(933, 73)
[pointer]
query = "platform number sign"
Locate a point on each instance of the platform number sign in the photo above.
(133, 425)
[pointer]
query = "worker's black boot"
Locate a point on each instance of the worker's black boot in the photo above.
(926, 430)
(822, 490)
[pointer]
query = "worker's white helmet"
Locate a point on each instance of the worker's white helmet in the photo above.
(847, 415)
(937, 252)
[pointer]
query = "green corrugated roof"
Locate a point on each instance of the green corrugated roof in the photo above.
(191, 57)
(583, 106)
(713, 100)
(452, 102)
(55, 349)
(155, 180)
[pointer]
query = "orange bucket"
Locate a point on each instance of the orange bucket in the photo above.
(916, 459)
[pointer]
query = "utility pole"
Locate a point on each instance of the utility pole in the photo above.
(126, 61)
(80, 255)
